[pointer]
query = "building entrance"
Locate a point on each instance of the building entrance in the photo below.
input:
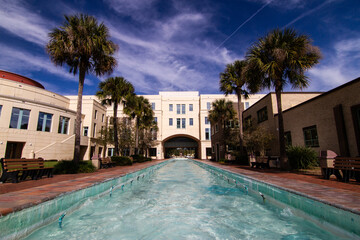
(181, 147)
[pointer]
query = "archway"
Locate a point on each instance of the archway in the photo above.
(181, 145)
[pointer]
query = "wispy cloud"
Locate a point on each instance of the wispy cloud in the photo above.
(304, 14)
(342, 66)
(173, 55)
(20, 61)
(242, 24)
(16, 18)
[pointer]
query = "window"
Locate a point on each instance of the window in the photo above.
(191, 107)
(95, 114)
(63, 125)
(230, 124)
(102, 117)
(153, 134)
(152, 152)
(86, 131)
(247, 105)
(213, 148)
(19, 118)
(94, 130)
(206, 120)
(155, 119)
(177, 108)
(216, 128)
(311, 137)
(207, 133)
(287, 136)
(0, 109)
(178, 122)
(44, 122)
(208, 105)
(153, 106)
(262, 115)
(110, 152)
(183, 122)
(191, 121)
(170, 107)
(183, 108)
(247, 122)
(170, 121)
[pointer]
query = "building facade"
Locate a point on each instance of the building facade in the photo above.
(322, 121)
(36, 123)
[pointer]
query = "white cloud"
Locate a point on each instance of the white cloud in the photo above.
(22, 62)
(342, 65)
(20, 21)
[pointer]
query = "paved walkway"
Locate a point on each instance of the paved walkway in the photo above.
(14, 197)
(17, 196)
(339, 194)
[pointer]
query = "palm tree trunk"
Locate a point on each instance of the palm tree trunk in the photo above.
(116, 139)
(240, 114)
(78, 115)
(283, 162)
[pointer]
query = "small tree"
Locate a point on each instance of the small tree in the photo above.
(126, 135)
(106, 137)
(257, 139)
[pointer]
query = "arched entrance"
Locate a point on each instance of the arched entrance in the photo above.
(181, 145)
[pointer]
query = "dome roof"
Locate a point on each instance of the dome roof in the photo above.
(18, 78)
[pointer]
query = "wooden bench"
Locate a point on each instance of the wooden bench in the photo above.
(264, 162)
(106, 162)
(20, 169)
(349, 166)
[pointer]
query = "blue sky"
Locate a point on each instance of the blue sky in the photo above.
(180, 44)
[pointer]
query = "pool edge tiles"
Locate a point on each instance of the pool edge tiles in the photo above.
(330, 213)
(19, 224)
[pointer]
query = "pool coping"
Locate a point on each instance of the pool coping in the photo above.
(321, 197)
(16, 201)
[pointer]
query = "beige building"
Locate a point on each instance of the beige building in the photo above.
(182, 121)
(35, 122)
(322, 121)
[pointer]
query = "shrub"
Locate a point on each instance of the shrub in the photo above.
(301, 157)
(71, 167)
(121, 161)
(140, 158)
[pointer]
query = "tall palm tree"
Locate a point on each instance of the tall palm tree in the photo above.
(83, 45)
(232, 80)
(221, 111)
(139, 109)
(279, 59)
(113, 91)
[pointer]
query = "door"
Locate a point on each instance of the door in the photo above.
(14, 149)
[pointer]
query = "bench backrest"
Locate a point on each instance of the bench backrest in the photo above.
(106, 160)
(347, 163)
(21, 164)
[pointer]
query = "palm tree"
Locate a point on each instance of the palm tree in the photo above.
(232, 80)
(84, 46)
(113, 91)
(221, 111)
(140, 109)
(276, 60)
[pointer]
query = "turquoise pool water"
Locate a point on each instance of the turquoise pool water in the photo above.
(181, 201)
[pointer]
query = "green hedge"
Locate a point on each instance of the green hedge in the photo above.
(121, 161)
(140, 158)
(71, 167)
(302, 157)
